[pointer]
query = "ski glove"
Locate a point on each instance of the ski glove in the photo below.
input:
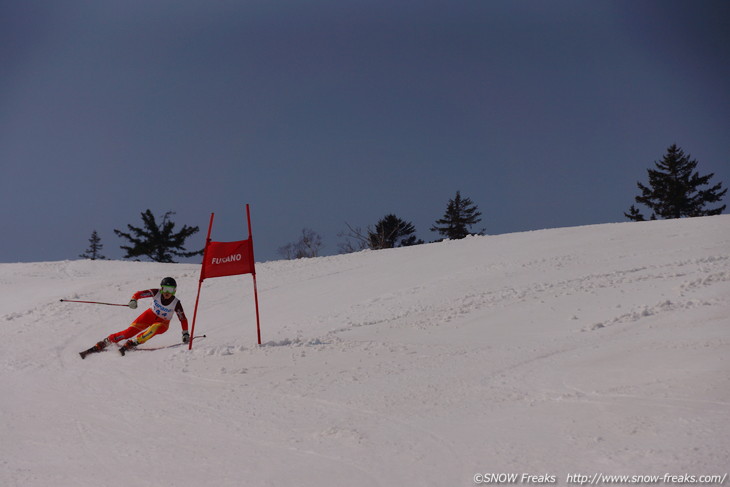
(186, 337)
(132, 303)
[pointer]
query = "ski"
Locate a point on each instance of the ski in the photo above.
(99, 347)
(147, 349)
(90, 351)
(85, 353)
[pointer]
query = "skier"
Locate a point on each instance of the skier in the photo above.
(154, 321)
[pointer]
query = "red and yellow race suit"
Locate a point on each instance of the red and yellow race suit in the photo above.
(155, 320)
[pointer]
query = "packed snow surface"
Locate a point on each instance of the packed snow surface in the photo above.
(592, 350)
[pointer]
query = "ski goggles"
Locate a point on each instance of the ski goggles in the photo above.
(167, 290)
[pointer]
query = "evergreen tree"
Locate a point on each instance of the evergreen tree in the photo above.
(158, 243)
(461, 213)
(673, 189)
(94, 250)
(389, 232)
(392, 232)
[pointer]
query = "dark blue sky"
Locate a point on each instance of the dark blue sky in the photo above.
(544, 113)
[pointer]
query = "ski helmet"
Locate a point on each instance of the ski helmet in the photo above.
(168, 281)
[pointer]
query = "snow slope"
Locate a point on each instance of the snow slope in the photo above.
(592, 350)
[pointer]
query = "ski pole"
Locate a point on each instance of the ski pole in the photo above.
(90, 302)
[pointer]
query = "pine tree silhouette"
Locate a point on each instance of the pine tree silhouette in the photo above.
(158, 243)
(461, 213)
(673, 189)
(94, 250)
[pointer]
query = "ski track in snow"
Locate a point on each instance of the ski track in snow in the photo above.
(579, 350)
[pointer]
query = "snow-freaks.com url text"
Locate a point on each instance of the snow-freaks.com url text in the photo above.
(667, 478)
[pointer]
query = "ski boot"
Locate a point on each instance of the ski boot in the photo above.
(127, 346)
(96, 348)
